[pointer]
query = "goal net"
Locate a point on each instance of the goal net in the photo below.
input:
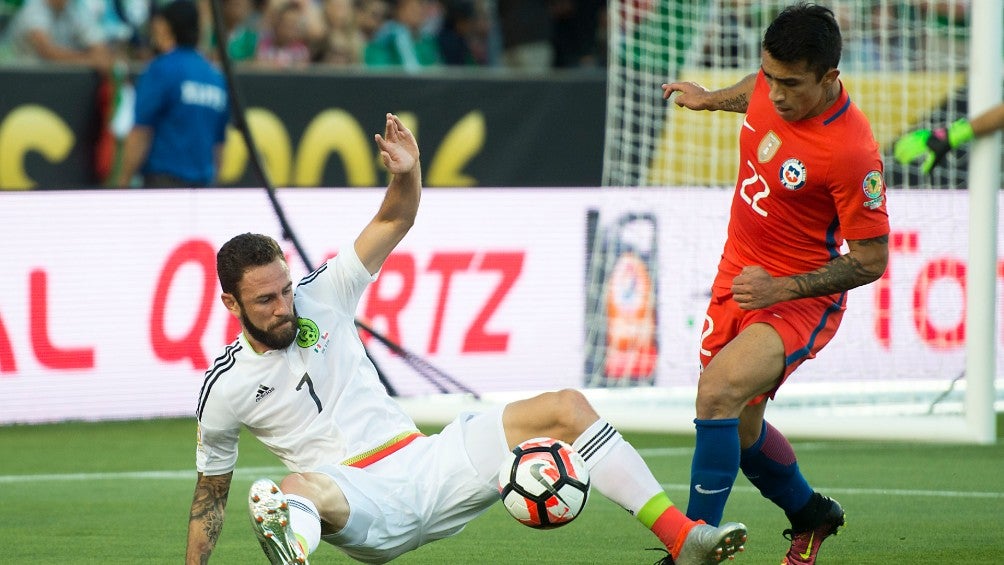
(901, 349)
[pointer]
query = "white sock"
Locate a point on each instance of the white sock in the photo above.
(304, 520)
(615, 467)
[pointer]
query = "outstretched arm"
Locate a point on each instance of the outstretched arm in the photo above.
(735, 98)
(205, 522)
(97, 56)
(864, 262)
(989, 121)
(399, 152)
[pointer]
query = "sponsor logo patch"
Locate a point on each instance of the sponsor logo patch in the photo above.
(263, 391)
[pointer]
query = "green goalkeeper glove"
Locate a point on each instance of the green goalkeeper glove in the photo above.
(932, 145)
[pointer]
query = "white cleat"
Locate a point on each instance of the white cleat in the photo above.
(270, 521)
(708, 545)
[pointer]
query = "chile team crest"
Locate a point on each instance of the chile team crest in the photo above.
(792, 174)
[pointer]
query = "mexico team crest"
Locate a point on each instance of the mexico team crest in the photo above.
(792, 174)
(308, 334)
(874, 188)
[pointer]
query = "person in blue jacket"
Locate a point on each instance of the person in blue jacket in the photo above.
(181, 110)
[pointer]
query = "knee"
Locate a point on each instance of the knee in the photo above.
(717, 398)
(297, 483)
(571, 411)
(562, 414)
(318, 487)
(568, 401)
(323, 491)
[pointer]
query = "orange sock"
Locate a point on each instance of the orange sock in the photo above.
(667, 522)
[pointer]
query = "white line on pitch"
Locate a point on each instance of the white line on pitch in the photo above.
(870, 491)
(140, 475)
(249, 472)
(680, 451)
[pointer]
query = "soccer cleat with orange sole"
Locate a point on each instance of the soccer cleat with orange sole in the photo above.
(270, 522)
(707, 545)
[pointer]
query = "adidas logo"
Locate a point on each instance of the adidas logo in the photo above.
(263, 391)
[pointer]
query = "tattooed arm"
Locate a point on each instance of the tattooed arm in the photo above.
(865, 262)
(735, 98)
(206, 518)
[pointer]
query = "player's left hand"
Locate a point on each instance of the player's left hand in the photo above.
(398, 148)
(755, 288)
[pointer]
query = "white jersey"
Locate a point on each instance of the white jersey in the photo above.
(317, 402)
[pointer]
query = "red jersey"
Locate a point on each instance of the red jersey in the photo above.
(803, 187)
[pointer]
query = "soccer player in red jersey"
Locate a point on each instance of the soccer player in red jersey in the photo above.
(810, 177)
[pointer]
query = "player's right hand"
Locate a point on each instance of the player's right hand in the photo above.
(691, 95)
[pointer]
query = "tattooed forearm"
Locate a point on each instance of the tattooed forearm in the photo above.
(738, 103)
(736, 98)
(205, 522)
(865, 263)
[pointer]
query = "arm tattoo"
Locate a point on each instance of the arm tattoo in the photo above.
(737, 97)
(208, 507)
(841, 274)
(738, 103)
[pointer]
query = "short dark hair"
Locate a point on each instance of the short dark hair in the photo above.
(805, 32)
(240, 254)
(183, 18)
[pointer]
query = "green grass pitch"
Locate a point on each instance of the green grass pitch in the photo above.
(119, 493)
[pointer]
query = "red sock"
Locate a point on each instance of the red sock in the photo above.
(672, 528)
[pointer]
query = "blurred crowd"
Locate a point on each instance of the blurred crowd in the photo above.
(408, 34)
(888, 35)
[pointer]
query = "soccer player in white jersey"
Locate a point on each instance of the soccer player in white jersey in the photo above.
(362, 477)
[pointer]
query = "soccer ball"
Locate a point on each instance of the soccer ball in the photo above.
(544, 483)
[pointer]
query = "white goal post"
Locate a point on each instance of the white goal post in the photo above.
(908, 65)
(985, 90)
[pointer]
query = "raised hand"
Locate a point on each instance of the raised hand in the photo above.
(398, 148)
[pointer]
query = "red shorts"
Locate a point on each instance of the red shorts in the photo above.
(805, 325)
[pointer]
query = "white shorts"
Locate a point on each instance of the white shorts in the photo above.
(428, 490)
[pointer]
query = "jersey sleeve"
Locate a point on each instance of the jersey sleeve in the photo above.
(216, 443)
(859, 193)
(216, 450)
